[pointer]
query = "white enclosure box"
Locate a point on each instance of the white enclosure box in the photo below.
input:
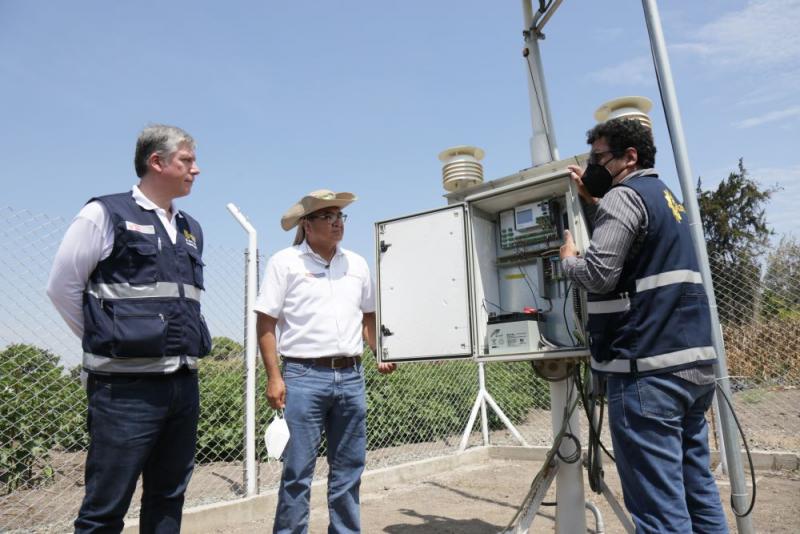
(482, 278)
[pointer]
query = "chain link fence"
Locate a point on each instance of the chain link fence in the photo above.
(43, 437)
(759, 308)
(418, 412)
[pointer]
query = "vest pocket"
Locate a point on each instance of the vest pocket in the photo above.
(197, 267)
(611, 335)
(143, 263)
(600, 337)
(695, 318)
(139, 335)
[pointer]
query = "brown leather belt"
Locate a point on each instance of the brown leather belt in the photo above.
(331, 362)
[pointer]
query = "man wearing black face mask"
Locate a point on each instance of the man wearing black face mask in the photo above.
(649, 332)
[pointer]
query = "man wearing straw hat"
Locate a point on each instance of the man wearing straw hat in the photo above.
(320, 298)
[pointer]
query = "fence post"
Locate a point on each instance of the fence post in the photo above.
(250, 471)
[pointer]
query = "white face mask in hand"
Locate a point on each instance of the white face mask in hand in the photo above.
(276, 436)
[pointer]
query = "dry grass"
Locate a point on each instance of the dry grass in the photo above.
(765, 351)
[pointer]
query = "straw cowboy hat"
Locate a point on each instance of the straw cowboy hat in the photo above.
(314, 201)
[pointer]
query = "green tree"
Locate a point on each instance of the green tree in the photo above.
(782, 280)
(224, 348)
(737, 235)
(41, 407)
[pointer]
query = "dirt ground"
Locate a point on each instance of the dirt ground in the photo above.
(483, 498)
(771, 420)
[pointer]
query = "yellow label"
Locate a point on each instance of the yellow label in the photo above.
(674, 205)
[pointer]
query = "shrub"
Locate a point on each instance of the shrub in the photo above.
(420, 402)
(221, 429)
(427, 401)
(41, 408)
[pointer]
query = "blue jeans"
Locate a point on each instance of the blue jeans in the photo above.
(660, 438)
(139, 425)
(318, 398)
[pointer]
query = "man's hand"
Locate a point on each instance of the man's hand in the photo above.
(568, 248)
(276, 393)
(576, 173)
(386, 368)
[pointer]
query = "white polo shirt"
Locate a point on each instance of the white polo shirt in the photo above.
(319, 306)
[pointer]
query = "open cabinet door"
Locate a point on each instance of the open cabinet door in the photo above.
(424, 287)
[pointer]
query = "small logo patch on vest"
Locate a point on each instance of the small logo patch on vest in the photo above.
(674, 205)
(190, 239)
(141, 228)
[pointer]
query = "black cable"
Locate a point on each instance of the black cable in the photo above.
(528, 283)
(593, 465)
(544, 341)
(486, 301)
(566, 322)
(749, 458)
(546, 465)
(525, 54)
(577, 315)
(575, 456)
(598, 431)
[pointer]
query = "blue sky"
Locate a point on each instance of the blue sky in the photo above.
(361, 96)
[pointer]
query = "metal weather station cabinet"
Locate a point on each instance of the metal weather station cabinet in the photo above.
(481, 278)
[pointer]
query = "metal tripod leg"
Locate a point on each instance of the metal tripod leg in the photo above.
(617, 508)
(532, 508)
(480, 402)
(536, 500)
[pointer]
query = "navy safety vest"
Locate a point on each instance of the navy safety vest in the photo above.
(141, 306)
(657, 319)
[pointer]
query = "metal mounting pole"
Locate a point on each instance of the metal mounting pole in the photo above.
(670, 102)
(570, 499)
(251, 477)
(570, 517)
(484, 419)
(543, 146)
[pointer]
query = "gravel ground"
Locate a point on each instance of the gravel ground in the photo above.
(770, 417)
(484, 498)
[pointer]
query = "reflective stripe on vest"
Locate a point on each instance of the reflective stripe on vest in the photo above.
(659, 361)
(156, 289)
(655, 281)
(608, 306)
(162, 365)
(682, 276)
(192, 292)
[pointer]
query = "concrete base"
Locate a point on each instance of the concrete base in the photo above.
(202, 519)
(762, 460)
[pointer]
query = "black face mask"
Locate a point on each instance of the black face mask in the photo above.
(597, 179)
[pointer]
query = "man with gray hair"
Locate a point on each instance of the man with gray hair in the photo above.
(127, 280)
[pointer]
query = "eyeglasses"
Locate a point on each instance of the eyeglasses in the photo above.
(330, 217)
(593, 157)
